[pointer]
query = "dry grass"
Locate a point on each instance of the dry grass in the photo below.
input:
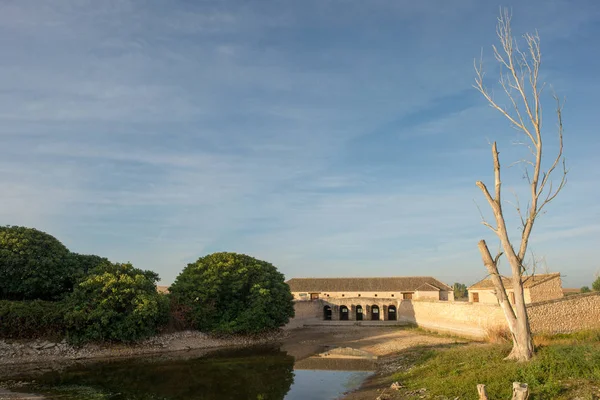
(498, 334)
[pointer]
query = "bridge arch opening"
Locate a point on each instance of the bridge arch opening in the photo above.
(374, 313)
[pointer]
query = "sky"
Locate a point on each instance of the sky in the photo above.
(330, 138)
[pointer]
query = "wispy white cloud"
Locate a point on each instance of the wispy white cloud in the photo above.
(324, 137)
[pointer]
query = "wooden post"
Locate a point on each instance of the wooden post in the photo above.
(482, 392)
(520, 391)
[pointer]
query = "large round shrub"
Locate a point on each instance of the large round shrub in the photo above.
(229, 292)
(82, 264)
(115, 302)
(33, 265)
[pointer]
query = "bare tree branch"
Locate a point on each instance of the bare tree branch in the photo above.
(483, 220)
(519, 78)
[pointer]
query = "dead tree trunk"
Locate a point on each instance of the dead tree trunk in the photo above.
(526, 115)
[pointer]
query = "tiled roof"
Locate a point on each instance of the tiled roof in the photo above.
(528, 281)
(162, 289)
(382, 284)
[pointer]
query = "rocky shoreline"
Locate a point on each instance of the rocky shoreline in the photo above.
(16, 352)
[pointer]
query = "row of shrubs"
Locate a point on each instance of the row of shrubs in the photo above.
(115, 302)
(103, 301)
(31, 319)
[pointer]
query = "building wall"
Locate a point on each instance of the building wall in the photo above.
(306, 312)
(447, 295)
(568, 314)
(340, 295)
(366, 303)
(545, 291)
(549, 290)
(486, 296)
(527, 295)
(441, 295)
(427, 295)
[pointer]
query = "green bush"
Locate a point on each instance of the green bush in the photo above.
(33, 265)
(115, 302)
(233, 293)
(596, 284)
(83, 264)
(585, 289)
(460, 291)
(31, 319)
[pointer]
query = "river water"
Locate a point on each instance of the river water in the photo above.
(255, 373)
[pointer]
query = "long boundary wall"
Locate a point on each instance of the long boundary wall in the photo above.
(568, 314)
(459, 318)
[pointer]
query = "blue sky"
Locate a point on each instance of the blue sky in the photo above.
(330, 138)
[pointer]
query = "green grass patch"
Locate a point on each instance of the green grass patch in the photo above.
(588, 336)
(558, 371)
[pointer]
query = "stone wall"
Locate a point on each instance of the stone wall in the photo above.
(569, 314)
(306, 312)
(460, 318)
(549, 290)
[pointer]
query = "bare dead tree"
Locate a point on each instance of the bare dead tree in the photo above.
(519, 79)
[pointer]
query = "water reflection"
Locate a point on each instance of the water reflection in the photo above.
(249, 374)
(255, 373)
(323, 384)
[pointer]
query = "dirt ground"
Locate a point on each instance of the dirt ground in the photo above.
(379, 341)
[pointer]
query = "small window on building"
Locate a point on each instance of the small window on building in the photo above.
(375, 294)
(327, 295)
(475, 297)
(314, 296)
(343, 295)
(392, 295)
(359, 295)
(407, 296)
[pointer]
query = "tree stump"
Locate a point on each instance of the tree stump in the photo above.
(482, 392)
(520, 391)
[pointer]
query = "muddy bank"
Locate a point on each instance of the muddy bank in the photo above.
(7, 394)
(19, 352)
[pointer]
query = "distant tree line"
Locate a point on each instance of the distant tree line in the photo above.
(595, 286)
(460, 291)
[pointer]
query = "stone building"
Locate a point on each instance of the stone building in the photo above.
(367, 298)
(536, 288)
